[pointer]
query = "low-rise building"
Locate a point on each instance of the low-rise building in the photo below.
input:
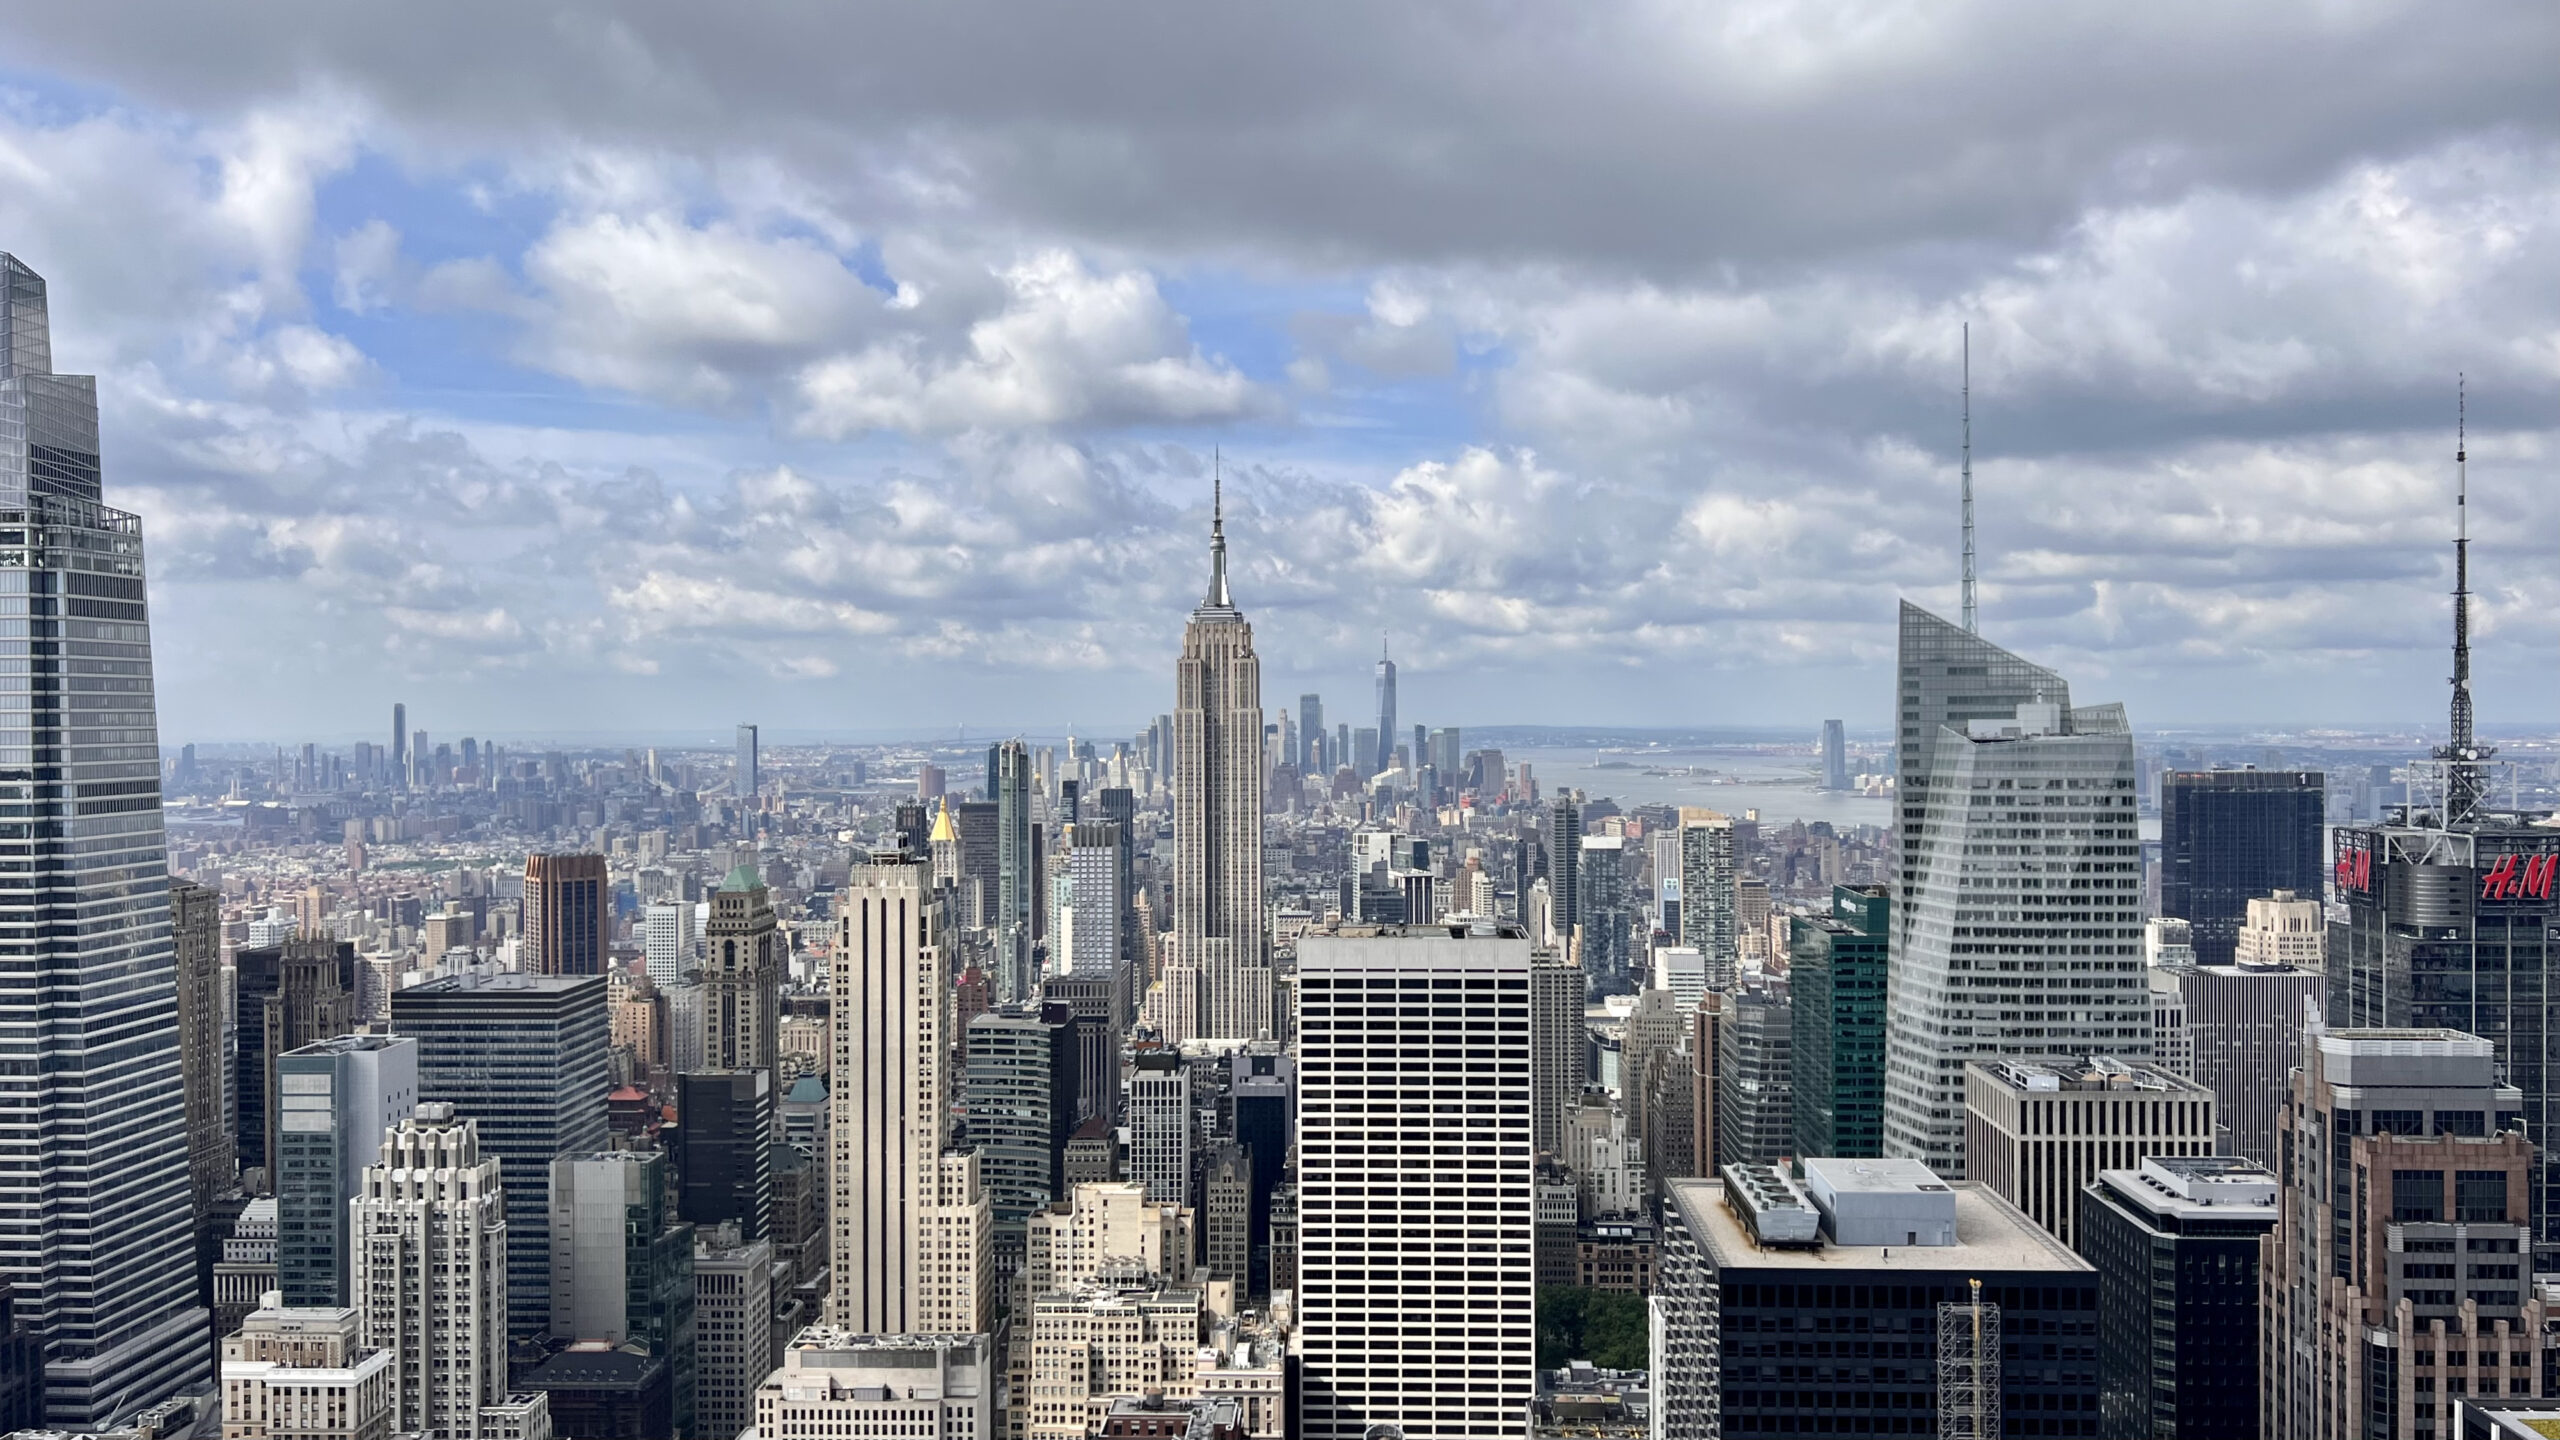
(833, 1383)
(302, 1373)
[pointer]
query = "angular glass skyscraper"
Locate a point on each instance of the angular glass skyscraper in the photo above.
(2020, 864)
(94, 1207)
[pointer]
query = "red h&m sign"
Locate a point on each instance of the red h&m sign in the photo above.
(2355, 868)
(2519, 877)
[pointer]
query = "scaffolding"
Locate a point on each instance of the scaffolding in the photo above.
(1968, 1368)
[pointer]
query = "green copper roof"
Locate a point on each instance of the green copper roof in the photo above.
(744, 877)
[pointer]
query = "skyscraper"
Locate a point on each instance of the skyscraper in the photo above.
(911, 1223)
(726, 1126)
(431, 1273)
(1374, 1224)
(742, 978)
(1564, 868)
(1386, 755)
(666, 937)
(2040, 1131)
(195, 915)
(1219, 983)
(1020, 1094)
(283, 997)
(2175, 1243)
(1090, 902)
(400, 744)
(2227, 836)
(1836, 979)
(1160, 1127)
(750, 774)
(1755, 1107)
(339, 1097)
(2026, 813)
(1559, 1046)
(1017, 875)
(1835, 756)
(2403, 1248)
(568, 915)
(1311, 738)
(523, 1057)
(94, 1205)
(1710, 922)
(622, 1263)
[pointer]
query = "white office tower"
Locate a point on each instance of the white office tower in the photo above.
(303, 1373)
(1218, 985)
(1415, 1042)
(1710, 898)
(666, 937)
(911, 1227)
(1089, 901)
(2020, 927)
(835, 1382)
(94, 1200)
(431, 1276)
(732, 1328)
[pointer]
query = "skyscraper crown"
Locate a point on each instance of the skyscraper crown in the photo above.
(26, 338)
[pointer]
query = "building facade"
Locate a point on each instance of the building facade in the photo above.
(568, 915)
(2176, 1243)
(338, 1097)
(1710, 922)
(2244, 1023)
(1755, 1266)
(303, 1373)
(2019, 927)
(742, 957)
(2040, 1131)
(726, 1130)
(1755, 1105)
(622, 1266)
(1415, 1037)
(431, 1278)
(1160, 1127)
(2452, 928)
(95, 1215)
(2398, 1277)
(1218, 984)
(834, 1382)
(733, 1305)
(911, 1226)
(1559, 1045)
(1836, 984)
(2228, 836)
(524, 1057)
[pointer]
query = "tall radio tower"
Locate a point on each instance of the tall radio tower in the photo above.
(2463, 754)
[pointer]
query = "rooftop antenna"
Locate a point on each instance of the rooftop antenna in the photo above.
(1971, 619)
(2463, 781)
(1217, 531)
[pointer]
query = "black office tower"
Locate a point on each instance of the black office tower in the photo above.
(2176, 1247)
(724, 1149)
(2229, 835)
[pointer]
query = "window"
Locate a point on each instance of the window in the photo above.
(2419, 1194)
(2478, 1195)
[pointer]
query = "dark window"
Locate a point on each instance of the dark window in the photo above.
(2419, 1194)
(2399, 1122)
(2461, 1122)
(2478, 1195)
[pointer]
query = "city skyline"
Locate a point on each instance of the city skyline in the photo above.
(577, 398)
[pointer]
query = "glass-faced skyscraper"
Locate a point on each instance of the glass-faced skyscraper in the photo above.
(2020, 927)
(94, 1205)
(1386, 755)
(2227, 836)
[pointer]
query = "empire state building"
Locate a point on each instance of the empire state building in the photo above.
(1218, 984)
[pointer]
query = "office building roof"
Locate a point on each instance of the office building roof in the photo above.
(1991, 1234)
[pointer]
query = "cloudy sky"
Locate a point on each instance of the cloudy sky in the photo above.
(638, 367)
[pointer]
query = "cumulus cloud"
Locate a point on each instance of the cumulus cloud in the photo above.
(1625, 350)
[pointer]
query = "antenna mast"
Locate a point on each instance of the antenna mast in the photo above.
(2463, 780)
(1971, 625)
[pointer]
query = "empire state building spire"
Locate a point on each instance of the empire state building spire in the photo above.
(1217, 599)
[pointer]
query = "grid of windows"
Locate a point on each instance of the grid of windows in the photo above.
(1417, 1236)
